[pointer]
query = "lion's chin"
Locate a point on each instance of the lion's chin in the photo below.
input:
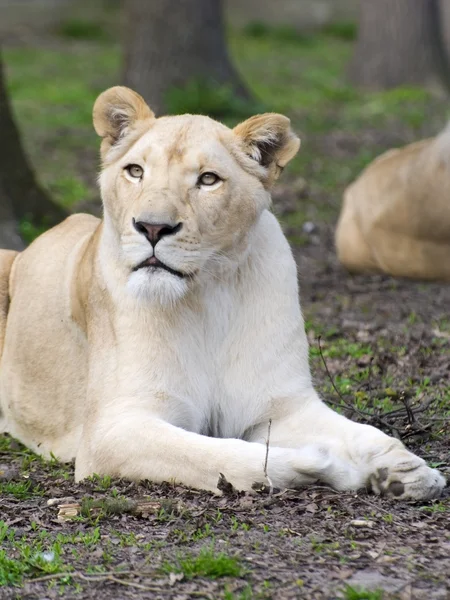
(156, 286)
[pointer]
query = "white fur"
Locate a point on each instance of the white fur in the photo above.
(217, 368)
(153, 286)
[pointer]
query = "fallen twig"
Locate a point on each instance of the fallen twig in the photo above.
(110, 506)
(111, 576)
(269, 481)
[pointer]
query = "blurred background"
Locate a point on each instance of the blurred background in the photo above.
(353, 81)
(356, 77)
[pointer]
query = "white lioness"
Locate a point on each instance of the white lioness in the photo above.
(158, 342)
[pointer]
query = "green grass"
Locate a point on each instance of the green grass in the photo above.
(216, 101)
(23, 558)
(344, 30)
(22, 490)
(82, 29)
(358, 374)
(358, 593)
(208, 563)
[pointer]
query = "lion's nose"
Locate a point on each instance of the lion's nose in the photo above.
(155, 231)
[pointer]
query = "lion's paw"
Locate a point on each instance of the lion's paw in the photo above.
(407, 478)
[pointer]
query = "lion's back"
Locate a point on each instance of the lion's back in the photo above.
(43, 341)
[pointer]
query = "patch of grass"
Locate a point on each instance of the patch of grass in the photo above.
(405, 103)
(5, 443)
(245, 594)
(89, 538)
(343, 30)
(22, 490)
(202, 533)
(358, 593)
(436, 507)
(341, 348)
(80, 29)
(52, 94)
(29, 231)
(68, 190)
(209, 98)
(280, 33)
(102, 482)
(207, 563)
(11, 571)
(30, 558)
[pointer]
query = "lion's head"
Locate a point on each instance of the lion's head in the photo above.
(182, 194)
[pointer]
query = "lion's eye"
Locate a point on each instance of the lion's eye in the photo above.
(208, 179)
(135, 171)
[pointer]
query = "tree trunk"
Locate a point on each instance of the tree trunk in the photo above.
(21, 197)
(9, 231)
(399, 43)
(172, 42)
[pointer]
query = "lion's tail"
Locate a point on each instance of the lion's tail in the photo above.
(7, 258)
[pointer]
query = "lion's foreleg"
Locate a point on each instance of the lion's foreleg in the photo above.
(360, 455)
(134, 444)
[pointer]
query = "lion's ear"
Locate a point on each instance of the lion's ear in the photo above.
(269, 140)
(116, 112)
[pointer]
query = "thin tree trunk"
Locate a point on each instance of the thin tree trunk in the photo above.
(21, 197)
(9, 231)
(399, 43)
(171, 42)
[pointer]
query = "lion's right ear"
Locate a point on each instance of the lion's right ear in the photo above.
(116, 112)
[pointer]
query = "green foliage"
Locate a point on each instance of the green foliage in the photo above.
(279, 33)
(245, 594)
(341, 347)
(5, 443)
(436, 507)
(79, 29)
(29, 231)
(207, 563)
(343, 30)
(11, 571)
(357, 593)
(68, 190)
(32, 558)
(102, 482)
(21, 490)
(208, 98)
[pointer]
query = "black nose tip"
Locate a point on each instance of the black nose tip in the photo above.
(155, 231)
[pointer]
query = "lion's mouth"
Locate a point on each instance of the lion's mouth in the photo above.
(155, 263)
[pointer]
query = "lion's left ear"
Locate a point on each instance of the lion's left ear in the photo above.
(269, 140)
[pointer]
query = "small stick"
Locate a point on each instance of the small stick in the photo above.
(409, 411)
(111, 506)
(109, 576)
(339, 395)
(269, 481)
